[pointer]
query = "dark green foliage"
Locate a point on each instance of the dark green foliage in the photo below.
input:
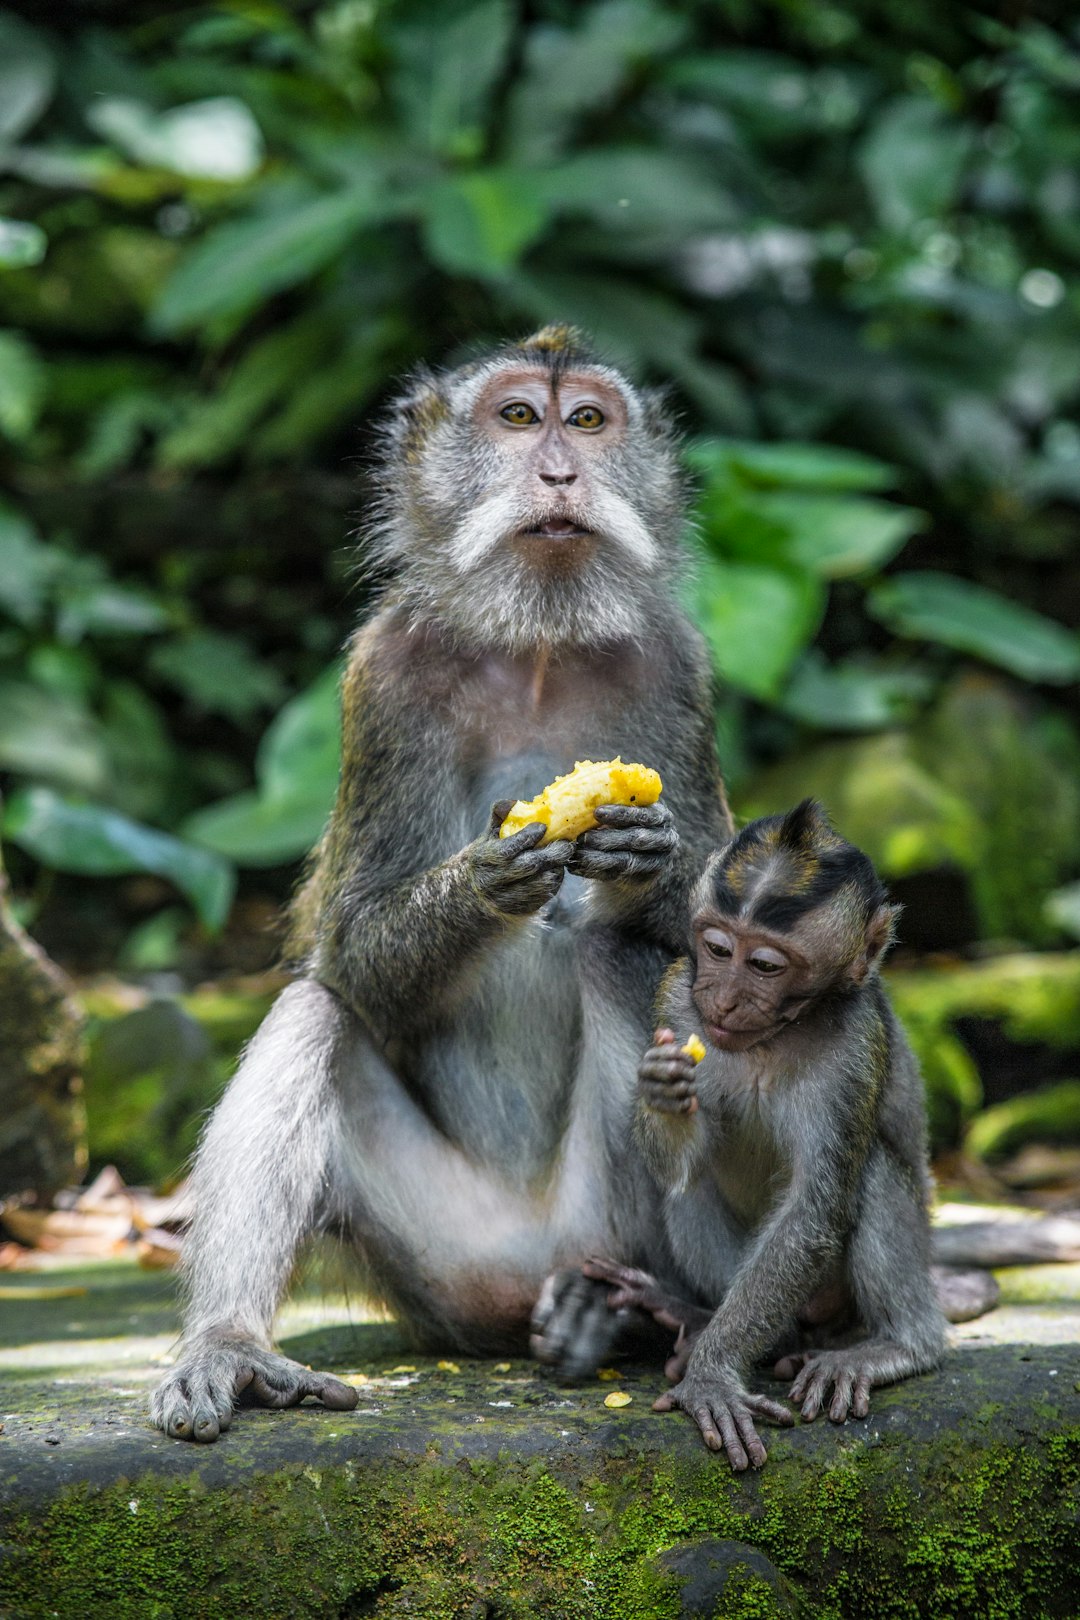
(845, 234)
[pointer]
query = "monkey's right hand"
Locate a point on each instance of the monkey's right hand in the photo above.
(513, 874)
(197, 1399)
(666, 1076)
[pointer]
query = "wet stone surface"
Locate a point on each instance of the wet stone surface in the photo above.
(483, 1488)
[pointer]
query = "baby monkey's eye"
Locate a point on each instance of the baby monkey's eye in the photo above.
(519, 414)
(762, 964)
(715, 948)
(587, 417)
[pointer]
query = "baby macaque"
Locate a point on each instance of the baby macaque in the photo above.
(792, 1159)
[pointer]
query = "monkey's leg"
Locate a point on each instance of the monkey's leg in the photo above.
(258, 1187)
(894, 1297)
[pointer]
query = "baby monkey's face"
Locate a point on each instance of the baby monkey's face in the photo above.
(749, 985)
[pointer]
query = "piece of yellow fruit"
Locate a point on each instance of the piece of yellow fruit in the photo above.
(566, 807)
(694, 1048)
(448, 1366)
(618, 1397)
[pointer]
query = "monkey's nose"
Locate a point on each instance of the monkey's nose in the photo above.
(557, 478)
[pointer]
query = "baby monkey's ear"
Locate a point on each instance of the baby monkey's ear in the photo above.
(879, 935)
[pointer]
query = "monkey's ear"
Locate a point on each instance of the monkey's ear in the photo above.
(880, 933)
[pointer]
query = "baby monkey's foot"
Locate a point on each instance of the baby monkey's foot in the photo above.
(633, 1289)
(725, 1412)
(572, 1327)
(845, 1372)
(666, 1076)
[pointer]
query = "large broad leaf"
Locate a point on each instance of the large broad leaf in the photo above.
(27, 77)
(26, 567)
(912, 160)
(937, 607)
(219, 674)
(479, 224)
(571, 74)
(22, 385)
(93, 841)
(447, 69)
(240, 263)
(789, 466)
(297, 770)
(21, 244)
(51, 736)
(837, 538)
(639, 188)
(852, 696)
(206, 140)
(756, 620)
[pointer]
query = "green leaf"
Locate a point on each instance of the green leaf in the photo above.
(27, 567)
(297, 770)
(208, 140)
(756, 621)
(27, 77)
(789, 466)
(89, 603)
(838, 538)
(21, 244)
(239, 264)
(479, 224)
(1063, 909)
(853, 695)
(52, 736)
(447, 70)
(912, 160)
(219, 674)
(639, 188)
(573, 74)
(22, 385)
(95, 842)
(937, 607)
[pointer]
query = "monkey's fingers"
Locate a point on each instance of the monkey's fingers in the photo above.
(788, 1366)
(638, 840)
(664, 1036)
(634, 815)
(499, 812)
(604, 865)
(770, 1410)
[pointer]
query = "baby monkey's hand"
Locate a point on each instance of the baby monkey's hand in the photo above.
(666, 1076)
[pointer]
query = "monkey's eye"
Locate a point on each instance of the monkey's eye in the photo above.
(718, 944)
(519, 414)
(767, 962)
(587, 417)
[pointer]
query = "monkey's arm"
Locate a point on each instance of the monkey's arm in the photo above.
(400, 914)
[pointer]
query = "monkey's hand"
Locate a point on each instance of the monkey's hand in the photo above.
(631, 841)
(848, 1373)
(631, 1288)
(725, 1411)
(197, 1399)
(572, 1327)
(512, 874)
(666, 1076)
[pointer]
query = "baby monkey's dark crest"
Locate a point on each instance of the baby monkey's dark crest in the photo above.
(532, 496)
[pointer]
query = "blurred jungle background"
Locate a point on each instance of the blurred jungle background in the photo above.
(847, 234)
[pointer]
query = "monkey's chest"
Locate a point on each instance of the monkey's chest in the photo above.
(750, 1171)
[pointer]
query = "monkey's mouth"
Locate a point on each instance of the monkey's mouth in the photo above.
(738, 1040)
(559, 528)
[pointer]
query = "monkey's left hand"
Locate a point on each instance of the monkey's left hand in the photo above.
(847, 1373)
(632, 841)
(724, 1410)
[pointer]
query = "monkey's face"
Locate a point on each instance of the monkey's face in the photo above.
(750, 985)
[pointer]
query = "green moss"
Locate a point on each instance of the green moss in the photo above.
(881, 1531)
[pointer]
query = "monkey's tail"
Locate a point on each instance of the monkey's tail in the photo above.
(1008, 1243)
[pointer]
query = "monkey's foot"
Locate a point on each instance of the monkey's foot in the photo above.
(197, 1399)
(573, 1328)
(964, 1294)
(633, 1289)
(848, 1374)
(725, 1413)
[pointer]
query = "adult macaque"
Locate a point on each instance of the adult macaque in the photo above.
(792, 1160)
(447, 1085)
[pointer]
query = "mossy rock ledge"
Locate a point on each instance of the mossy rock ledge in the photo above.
(487, 1491)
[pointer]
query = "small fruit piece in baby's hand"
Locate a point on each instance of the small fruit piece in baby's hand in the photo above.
(694, 1048)
(566, 806)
